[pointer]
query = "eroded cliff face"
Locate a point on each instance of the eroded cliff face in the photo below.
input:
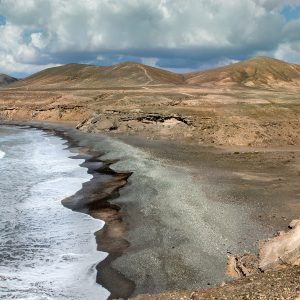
(41, 106)
(217, 130)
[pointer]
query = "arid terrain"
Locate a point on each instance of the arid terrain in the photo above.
(248, 113)
(253, 103)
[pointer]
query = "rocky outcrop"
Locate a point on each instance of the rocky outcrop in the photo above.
(282, 250)
(137, 121)
(278, 252)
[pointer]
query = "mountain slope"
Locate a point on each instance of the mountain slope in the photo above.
(258, 72)
(255, 72)
(5, 79)
(89, 76)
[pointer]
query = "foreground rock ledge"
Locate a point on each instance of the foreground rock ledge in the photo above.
(279, 284)
(273, 274)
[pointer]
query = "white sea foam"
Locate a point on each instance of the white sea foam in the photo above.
(2, 154)
(47, 251)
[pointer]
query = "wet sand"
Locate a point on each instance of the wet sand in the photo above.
(183, 209)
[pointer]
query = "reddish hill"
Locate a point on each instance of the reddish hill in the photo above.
(255, 72)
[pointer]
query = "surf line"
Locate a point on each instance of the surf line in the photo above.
(2, 154)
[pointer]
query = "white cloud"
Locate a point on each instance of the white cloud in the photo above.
(8, 65)
(288, 52)
(166, 32)
(38, 40)
(150, 61)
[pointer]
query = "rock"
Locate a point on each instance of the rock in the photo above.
(106, 124)
(243, 265)
(231, 267)
(136, 110)
(281, 250)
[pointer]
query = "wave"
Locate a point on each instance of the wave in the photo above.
(2, 154)
(53, 249)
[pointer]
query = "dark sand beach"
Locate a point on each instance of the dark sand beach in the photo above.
(173, 212)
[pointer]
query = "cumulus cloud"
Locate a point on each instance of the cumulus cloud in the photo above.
(177, 34)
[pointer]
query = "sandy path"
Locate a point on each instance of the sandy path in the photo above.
(147, 75)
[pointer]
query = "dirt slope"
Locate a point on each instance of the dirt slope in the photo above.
(5, 79)
(255, 72)
(90, 76)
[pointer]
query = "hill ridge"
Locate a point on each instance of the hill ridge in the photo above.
(121, 74)
(6, 79)
(259, 71)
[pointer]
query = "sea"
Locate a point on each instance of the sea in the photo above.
(47, 251)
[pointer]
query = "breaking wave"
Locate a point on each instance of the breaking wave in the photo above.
(47, 251)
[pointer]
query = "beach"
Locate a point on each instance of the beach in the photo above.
(174, 212)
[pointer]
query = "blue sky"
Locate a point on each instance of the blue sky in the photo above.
(291, 12)
(2, 20)
(178, 35)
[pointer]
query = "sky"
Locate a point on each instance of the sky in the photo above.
(178, 35)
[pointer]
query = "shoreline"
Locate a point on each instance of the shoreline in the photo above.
(44, 244)
(94, 199)
(135, 232)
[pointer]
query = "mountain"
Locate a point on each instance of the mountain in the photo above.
(90, 76)
(256, 72)
(5, 79)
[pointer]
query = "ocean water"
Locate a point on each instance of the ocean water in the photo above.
(46, 250)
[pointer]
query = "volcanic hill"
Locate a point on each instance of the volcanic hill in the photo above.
(5, 79)
(90, 76)
(256, 72)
